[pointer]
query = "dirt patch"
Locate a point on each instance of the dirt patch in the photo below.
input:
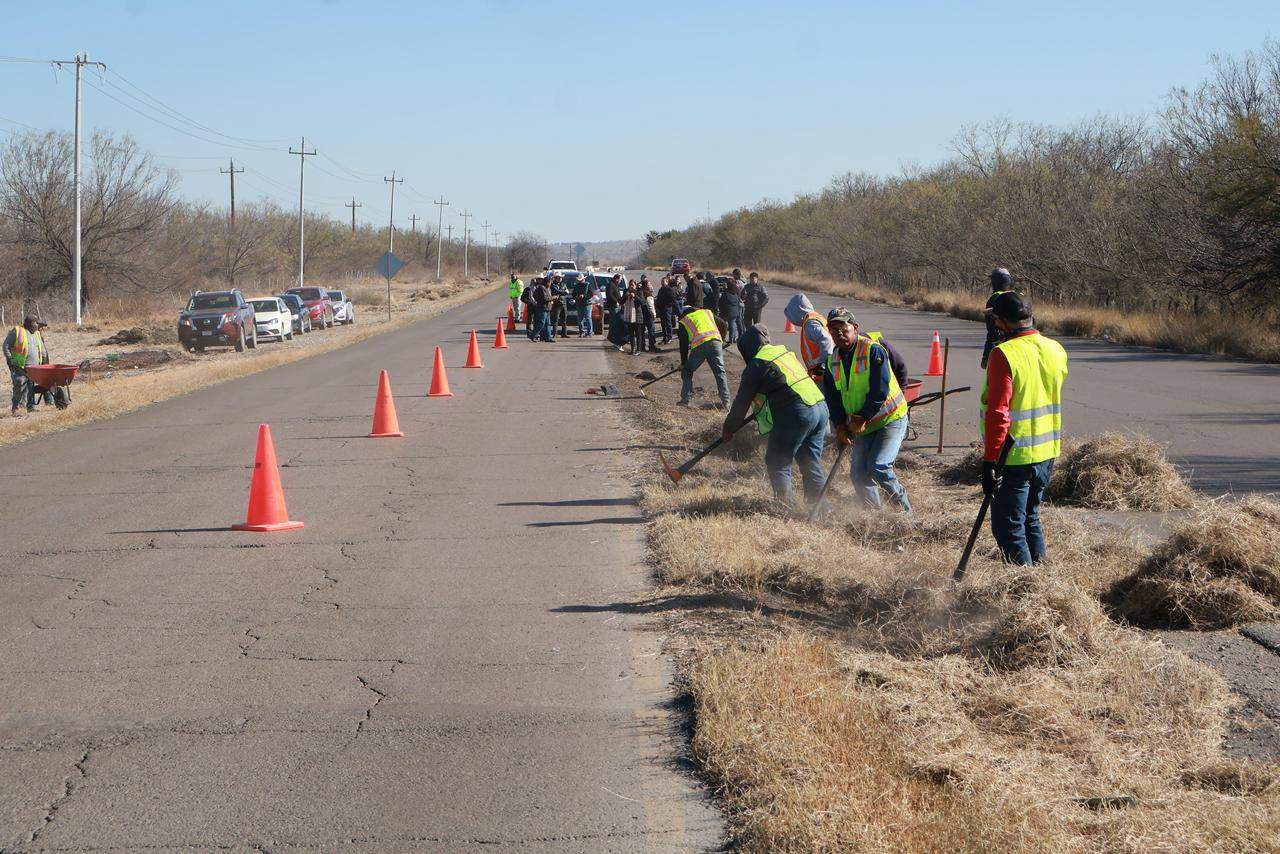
(131, 360)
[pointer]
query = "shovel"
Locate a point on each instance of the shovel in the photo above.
(835, 467)
(982, 513)
(643, 386)
(676, 473)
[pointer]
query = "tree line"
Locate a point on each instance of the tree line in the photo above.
(1178, 211)
(141, 239)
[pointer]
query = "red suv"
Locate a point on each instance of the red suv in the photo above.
(681, 267)
(317, 302)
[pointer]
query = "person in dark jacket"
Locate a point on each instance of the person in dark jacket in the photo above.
(1001, 283)
(692, 293)
(665, 302)
(731, 311)
(649, 308)
(791, 412)
(754, 299)
(542, 301)
(530, 307)
(559, 307)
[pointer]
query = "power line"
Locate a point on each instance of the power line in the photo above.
(178, 114)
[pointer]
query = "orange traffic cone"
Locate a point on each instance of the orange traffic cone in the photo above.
(511, 318)
(439, 379)
(935, 358)
(500, 337)
(473, 353)
(266, 497)
(385, 423)
(790, 327)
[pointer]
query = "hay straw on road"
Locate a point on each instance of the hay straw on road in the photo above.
(1117, 472)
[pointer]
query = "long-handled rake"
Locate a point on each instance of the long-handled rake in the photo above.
(677, 473)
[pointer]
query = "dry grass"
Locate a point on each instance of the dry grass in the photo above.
(1207, 332)
(1219, 569)
(109, 396)
(1117, 472)
(849, 698)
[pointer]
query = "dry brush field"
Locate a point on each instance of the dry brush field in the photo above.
(845, 696)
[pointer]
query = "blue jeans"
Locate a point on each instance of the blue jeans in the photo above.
(734, 322)
(711, 353)
(798, 434)
(1015, 512)
(542, 330)
(585, 325)
(871, 466)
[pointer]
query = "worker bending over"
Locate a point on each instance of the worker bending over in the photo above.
(700, 341)
(867, 408)
(24, 345)
(815, 343)
(1021, 403)
(790, 411)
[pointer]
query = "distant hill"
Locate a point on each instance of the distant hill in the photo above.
(604, 253)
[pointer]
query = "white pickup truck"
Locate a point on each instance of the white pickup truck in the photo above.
(560, 267)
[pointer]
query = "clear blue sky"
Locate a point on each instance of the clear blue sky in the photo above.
(599, 120)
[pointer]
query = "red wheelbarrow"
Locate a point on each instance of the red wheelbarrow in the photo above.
(51, 381)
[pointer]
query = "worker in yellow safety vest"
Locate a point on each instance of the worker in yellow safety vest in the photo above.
(1021, 405)
(514, 289)
(24, 345)
(790, 411)
(867, 408)
(701, 340)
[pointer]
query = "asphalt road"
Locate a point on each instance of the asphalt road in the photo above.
(1219, 418)
(442, 658)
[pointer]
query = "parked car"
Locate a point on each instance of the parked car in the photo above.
(343, 311)
(560, 267)
(301, 317)
(681, 267)
(318, 304)
(272, 318)
(217, 319)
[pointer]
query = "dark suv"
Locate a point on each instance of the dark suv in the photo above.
(217, 319)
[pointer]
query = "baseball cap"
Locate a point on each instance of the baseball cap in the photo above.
(840, 315)
(1011, 307)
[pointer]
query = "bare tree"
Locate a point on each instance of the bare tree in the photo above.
(126, 201)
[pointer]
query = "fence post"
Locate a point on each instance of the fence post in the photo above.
(942, 401)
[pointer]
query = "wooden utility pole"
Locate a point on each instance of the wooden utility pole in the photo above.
(232, 171)
(353, 207)
(303, 154)
(413, 219)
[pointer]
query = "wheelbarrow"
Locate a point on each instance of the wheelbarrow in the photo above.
(52, 381)
(914, 399)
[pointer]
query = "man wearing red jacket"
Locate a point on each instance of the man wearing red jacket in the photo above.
(1021, 405)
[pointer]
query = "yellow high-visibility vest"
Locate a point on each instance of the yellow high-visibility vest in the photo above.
(856, 385)
(798, 380)
(701, 326)
(27, 347)
(1038, 365)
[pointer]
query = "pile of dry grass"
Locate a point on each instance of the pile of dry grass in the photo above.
(818, 745)
(1219, 569)
(1116, 472)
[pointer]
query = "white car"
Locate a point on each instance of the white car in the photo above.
(272, 318)
(343, 311)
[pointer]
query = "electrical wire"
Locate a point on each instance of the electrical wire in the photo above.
(174, 127)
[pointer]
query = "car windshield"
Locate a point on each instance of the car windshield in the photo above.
(201, 302)
(268, 305)
(310, 293)
(293, 300)
(337, 295)
(562, 265)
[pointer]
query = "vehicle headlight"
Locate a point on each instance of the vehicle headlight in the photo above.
(184, 321)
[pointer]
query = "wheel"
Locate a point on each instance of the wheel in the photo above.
(289, 337)
(253, 342)
(199, 348)
(240, 341)
(351, 317)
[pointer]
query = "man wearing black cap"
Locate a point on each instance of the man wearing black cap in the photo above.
(1021, 406)
(1001, 283)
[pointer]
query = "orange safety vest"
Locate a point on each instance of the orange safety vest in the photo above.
(809, 353)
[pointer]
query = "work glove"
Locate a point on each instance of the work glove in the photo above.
(990, 478)
(842, 435)
(856, 425)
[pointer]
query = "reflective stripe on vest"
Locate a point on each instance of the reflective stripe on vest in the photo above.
(809, 349)
(855, 387)
(798, 380)
(701, 326)
(1038, 366)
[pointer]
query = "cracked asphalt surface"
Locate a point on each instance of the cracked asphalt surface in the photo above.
(413, 670)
